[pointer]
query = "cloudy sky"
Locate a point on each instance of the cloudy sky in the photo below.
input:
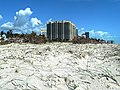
(100, 17)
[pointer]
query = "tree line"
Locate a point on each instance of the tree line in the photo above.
(33, 38)
(82, 40)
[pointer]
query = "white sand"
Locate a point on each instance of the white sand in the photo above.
(59, 67)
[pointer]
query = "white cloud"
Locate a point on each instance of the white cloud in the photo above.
(22, 17)
(8, 26)
(1, 17)
(82, 28)
(23, 23)
(92, 32)
(37, 30)
(25, 12)
(99, 34)
(35, 22)
(49, 20)
(81, 31)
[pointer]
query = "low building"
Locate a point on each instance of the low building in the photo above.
(44, 32)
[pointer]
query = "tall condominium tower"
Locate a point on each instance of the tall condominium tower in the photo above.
(87, 34)
(61, 30)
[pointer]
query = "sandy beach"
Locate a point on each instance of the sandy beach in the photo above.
(60, 66)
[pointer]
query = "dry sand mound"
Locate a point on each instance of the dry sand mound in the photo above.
(60, 66)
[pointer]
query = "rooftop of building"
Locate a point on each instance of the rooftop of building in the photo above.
(60, 21)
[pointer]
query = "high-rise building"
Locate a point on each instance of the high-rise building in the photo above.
(87, 34)
(61, 30)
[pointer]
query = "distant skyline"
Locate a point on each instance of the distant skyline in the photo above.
(100, 17)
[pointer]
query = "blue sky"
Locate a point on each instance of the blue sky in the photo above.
(100, 17)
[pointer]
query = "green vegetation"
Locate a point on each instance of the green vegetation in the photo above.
(82, 40)
(22, 38)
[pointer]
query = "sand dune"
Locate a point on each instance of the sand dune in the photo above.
(60, 66)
